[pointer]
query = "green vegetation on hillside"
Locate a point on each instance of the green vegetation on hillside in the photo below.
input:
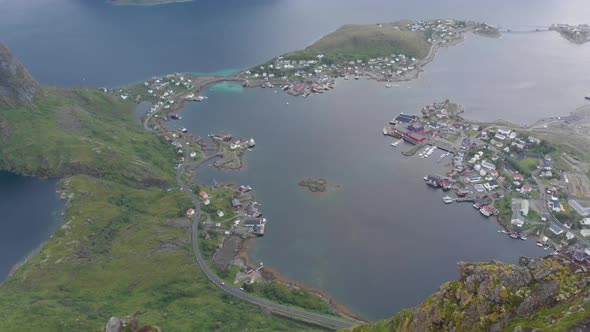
(543, 294)
(125, 245)
(81, 131)
(283, 294)
(352, 42)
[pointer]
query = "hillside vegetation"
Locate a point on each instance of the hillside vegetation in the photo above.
(125, 245)
(551, 294)
(352, 42)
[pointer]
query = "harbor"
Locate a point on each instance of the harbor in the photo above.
(377, 201)
(503, 169)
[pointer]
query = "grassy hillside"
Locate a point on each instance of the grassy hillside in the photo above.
(81, 131)
(352, 42)
(125, 244)
(542, 294)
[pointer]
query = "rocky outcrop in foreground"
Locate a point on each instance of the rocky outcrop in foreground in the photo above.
(16, 84)
(129, 323)
(550, 293)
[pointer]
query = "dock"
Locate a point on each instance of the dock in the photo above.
(413, 150)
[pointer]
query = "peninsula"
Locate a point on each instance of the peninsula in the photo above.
(133, 211)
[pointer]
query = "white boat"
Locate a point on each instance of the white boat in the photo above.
(396, 143)
(540, 244)
(385, 131)
(388, 85)
(448, 199)
(588, 96)
(251, 143)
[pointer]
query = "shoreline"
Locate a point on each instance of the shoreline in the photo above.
(245, 244)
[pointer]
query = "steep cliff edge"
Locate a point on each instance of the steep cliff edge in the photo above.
(548, 294)
(16, 84)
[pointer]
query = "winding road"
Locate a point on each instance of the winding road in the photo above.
(331, 322)
(326, 321)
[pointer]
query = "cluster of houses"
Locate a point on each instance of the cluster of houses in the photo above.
(443, 31)
(309, 72)
(577, 33)
(158, 90)
(486, 165)
(253, 222)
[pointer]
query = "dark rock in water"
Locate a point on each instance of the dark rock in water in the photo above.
(16, 84)
(314, 184)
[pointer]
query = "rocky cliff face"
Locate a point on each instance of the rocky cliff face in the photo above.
(550, 293)
(16, 84)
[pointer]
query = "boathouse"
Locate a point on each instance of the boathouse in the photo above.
(403, 118)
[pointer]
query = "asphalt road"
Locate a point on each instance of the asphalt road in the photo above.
(332, 322)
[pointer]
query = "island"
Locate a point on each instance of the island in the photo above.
(314, 184)
(388, 52)
(578, 34)
(133, 209)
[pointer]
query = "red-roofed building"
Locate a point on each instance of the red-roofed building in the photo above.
(203, 195)
(190, 212)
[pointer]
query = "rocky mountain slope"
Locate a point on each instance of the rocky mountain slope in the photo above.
(16, 84)
(545, 294)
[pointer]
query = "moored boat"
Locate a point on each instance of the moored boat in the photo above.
(448, 199)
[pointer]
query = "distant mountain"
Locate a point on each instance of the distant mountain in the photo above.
(16, 84)
(144, 2)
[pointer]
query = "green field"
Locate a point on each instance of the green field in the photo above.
(353, 42)
(125, 244)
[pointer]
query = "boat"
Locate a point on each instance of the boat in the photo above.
(486, 210)
(513, 235)
(388, 85)
(175, 117)
(251, 143)
(523, 237)
(357, 77)
(448, 199)
(396, 143)
(285, 87)
(385, 131)
(588, 96)
(540, 244)
(182, 129)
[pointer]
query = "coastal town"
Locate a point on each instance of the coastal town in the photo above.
(307, 72)
(533, 188)
(505, 171)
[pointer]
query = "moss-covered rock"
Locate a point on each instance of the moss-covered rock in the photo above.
(495, 297)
